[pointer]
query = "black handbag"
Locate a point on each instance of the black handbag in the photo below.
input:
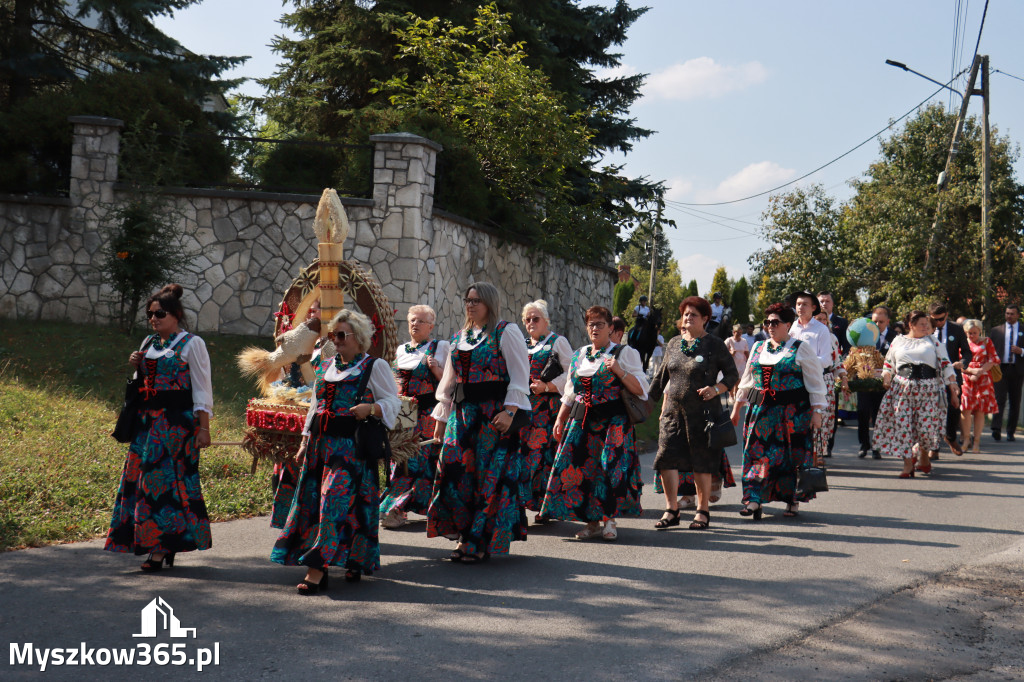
(810, 480)
(124, 428)
(719, 429)
(552, 368)
(637, 409)
(371, 437)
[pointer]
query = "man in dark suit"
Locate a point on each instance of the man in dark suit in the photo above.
(1009, 342)
(836, 323)
(868, 402)
(953, 335)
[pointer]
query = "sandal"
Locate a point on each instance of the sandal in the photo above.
(457, 556)
(394, 519)
(670, 518)
(701, 525)
(751, 510)
(792, 510)
(588, 533)
(152, 565)
(353, 575)
(308, 589)
(610, 533)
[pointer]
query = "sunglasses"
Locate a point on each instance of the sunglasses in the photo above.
(341, 336)
(158, 314)
(773, 323)
(472, 301)
(528, 320)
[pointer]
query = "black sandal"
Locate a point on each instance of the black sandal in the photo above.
(457, 556)
(790, 512)
(353, 575)
(152, 565)
(701, 525)
(671, 518)
(308, 589)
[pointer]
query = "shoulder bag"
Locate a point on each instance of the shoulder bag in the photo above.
(124, 428)
(371, 436)
(553, 367)
(637, 409)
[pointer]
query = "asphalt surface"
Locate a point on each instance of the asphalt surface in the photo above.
(880, 578)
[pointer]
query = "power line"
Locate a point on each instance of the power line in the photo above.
(980, 29)
(1008, 74)
(825, 165)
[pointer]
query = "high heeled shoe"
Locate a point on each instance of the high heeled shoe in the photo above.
(152, 565)
(754, 512)
(308, 589)
(353, 575)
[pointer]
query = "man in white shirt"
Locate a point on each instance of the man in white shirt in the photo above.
(819, 338)
(717, 312)
(748, 334)
(1009, 342)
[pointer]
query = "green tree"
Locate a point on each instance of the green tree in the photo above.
(621, 296)
(720, 284)
(638, 248)
(325, 86)
(900, 260)
(809, 249)
(691, 289)
(741, 301)
(668, 294)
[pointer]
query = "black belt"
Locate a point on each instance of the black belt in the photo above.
(771, 398)
(917, 372)
(605, 410)
(179, 400)
(481, 392)
(426, 402)
(333, 425)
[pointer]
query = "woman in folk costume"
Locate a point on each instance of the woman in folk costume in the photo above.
(596, 475)
(912, 417)
(784, 384)
(419, 366)
(482, 406)
(159, 509)
(549, 363)
(333, 519)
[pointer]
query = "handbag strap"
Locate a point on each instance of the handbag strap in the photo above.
(364, 379)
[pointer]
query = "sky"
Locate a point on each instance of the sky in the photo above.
(745, 96)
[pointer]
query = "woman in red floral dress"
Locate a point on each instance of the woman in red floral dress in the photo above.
(979, 395)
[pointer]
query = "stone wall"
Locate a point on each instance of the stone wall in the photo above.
(250, 245)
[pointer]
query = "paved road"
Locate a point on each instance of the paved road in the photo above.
(880, 578)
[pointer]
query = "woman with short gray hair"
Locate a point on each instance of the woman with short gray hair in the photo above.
(333, 520)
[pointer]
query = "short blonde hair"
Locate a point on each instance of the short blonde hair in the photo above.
(489, 294)
(975, 324)
(361, 326)
(422, 308)
(540, 305)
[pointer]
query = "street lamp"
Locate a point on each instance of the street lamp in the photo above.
(901, 65)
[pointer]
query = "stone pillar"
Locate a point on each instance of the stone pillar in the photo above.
(95, 145)
(403, 203)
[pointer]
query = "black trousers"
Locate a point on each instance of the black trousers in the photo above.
(1008, 387)
(952, 412)
(868, 403)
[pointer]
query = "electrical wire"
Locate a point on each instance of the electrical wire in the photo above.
(1008, 74)
(824, 165)
(981, 28)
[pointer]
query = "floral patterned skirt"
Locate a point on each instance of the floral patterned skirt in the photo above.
(286, 474)
(828, 421)
(596, 473)
(413, 481)
(777, 441)
(477, 492)
(913, 411)
(333, 518)
(159, 505)
(538, 448)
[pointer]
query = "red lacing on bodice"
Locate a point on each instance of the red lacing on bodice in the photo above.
(588, 390)
(330, 389)
(148, 390)
(465, 361)
(766, 379)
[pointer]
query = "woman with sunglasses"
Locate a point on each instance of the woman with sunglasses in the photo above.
(159, 509)
(689, 381)
(419, 366)
(549, 353)
(482, 406)
(334, 515)
(596, 474)
(912, 416)
(784, 384)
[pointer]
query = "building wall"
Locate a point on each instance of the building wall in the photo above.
(248, 247)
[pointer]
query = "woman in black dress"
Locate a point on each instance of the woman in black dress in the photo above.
(689, 372)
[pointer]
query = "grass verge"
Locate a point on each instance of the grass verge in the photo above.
(60, 389)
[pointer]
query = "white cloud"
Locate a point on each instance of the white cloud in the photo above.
(696, 266)
(678, 189)
(703, 78)
(757, 177)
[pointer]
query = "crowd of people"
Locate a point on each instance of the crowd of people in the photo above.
(511, 422)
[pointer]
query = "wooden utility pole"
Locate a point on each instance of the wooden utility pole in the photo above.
(654, 260)
(986, 249)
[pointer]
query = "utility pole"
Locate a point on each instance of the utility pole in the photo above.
(654, 259)
(944, 175)
(986, 250)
